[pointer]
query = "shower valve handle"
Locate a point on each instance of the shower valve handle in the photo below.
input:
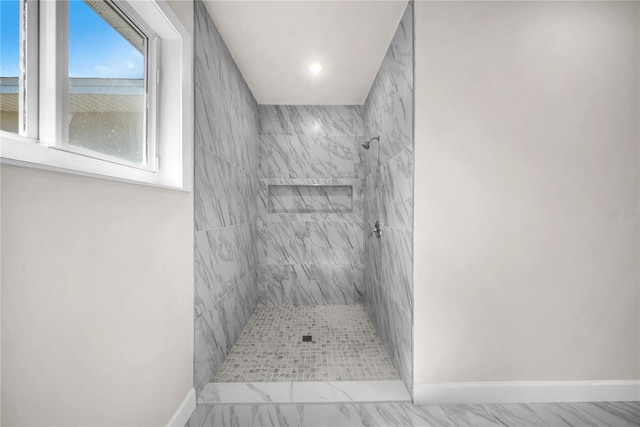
(376, 230)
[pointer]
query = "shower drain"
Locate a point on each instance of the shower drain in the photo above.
(307, 338)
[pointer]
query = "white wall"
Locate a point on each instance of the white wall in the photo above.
(526, 134)
(97, 298)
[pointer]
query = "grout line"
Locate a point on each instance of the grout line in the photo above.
(227, 226)
(235, 165)
(235, 285)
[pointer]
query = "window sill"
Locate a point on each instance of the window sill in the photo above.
(26, 152)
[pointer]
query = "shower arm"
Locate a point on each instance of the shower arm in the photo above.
(367, 144)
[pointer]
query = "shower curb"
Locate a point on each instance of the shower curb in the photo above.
(304, 392)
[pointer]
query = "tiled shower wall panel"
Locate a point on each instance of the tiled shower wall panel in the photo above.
(226, 189)
(314, 256)
(388, 197)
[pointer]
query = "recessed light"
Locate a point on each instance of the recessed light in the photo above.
(314, 66)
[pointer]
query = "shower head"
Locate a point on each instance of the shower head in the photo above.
(367, 144)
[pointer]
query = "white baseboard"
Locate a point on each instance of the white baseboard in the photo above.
(526, 392)
(184, 411)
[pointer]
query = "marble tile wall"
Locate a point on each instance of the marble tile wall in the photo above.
(226, 190)
(310, 255)
(388, 198)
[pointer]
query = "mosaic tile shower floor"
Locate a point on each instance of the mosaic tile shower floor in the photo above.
(344, 347)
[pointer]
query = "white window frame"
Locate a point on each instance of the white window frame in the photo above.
(150, 89)
(42, 142)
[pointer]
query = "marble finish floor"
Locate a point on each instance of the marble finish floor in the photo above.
(618, 414)
(343, 346)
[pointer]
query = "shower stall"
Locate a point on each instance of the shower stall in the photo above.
(294, 283)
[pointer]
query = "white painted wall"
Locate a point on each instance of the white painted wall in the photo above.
(97, 298)
(526, 133)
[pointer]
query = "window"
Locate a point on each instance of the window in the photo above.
(107, 83)
(99, 87)
(9, 65)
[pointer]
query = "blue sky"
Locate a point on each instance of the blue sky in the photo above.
(9, 21)
(95, 49)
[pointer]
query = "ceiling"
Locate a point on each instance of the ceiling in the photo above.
(273, 41)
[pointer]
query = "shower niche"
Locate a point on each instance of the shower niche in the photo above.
(310, 198)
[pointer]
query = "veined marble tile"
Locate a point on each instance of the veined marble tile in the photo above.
(336, 243)
(342, 414)
(224, 194)
(311, 415)
(609, 414)
(377, 305)
(262, 199)
(514, 414)
(218, 328)
(207, 133)
(469, 415)
(562, 414)
(396, 121)
(224, 105)
(304, 392)
(307, 120)
(371, 203)
(393, 322)
(310, 120)
(388, 198)
(358, 199)
(254, 188)
(275, 283)
(264, 156)
(342, 157)
(336, 284)
(287, 243)
(401, 287)
(401, 169)
(245, 143)
(310, 284)
(274, 415)
(262, 242)
(630, 410)
(211, 344)
(386, 262)
(277, 162)
(212, 208)
(435, 415)
(358, 157)
(347, 120)
(246, 301)
(384, 194)
(226, 190)
(307, 156)
(225, 416)
(223, 257)
(371, 156)
(401, 327)
(310, 157)
(273, 120)
(349, 415)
